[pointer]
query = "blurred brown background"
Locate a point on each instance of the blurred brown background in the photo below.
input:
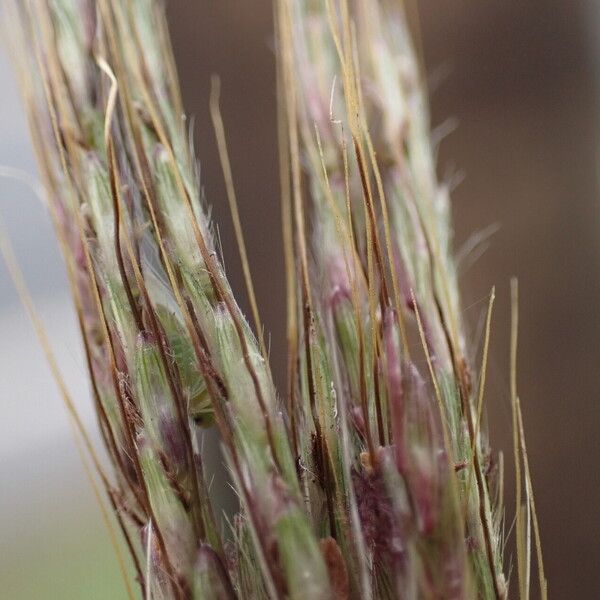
(520, 80)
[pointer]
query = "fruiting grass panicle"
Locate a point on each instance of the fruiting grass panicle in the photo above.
(168, 347)
(376, 480)
(381, 244)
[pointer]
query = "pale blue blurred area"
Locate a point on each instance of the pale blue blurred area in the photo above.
(53, 544)
(22, 212)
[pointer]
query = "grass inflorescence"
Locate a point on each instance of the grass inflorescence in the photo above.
(371, 475)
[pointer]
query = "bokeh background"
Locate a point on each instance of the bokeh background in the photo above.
(520, 83)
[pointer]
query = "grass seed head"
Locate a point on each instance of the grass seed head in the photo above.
(374, 481)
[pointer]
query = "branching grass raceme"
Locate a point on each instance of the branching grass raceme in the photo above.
(370, 475)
